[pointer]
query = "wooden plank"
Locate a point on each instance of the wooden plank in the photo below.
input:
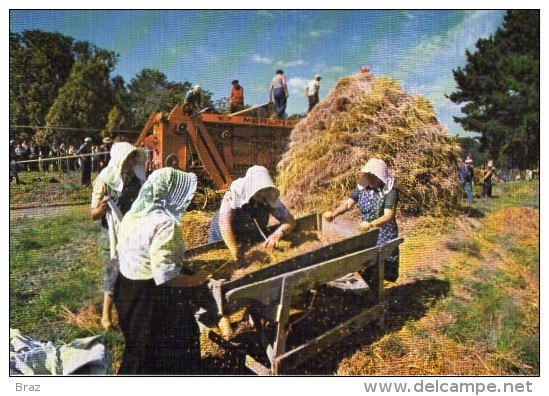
(256, 367)
(266, 291)
(279, 346)
(208, 154)
(357, 243)
(307, 350)
(249, 109)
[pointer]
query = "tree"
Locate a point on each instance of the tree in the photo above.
(150, 91)
(500, 90)
(85, 101)
(40, 63)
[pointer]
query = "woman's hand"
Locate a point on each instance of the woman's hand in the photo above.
(103, 208)
(329, 216)
(365, 225)
(273, 239)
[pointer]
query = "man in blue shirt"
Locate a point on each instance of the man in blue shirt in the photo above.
(193, 101)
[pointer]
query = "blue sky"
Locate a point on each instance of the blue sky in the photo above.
(417, 48)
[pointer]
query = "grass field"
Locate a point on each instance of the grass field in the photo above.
(466, 303)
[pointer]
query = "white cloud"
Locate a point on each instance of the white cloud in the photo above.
(261, 59)
(336, 69)
(297, 84)
(449, 47)
(318, 33)
(290, 63)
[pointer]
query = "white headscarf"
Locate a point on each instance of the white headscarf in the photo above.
(379, 169)
(257, 178)
(168, 189)
(112, 174)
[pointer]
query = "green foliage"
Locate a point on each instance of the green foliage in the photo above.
(473, 146)
(40, 63)
(87, 97)
(150, 91)
(500, 90)
(57, 82)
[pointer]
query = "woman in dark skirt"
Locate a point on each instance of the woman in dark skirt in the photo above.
(153, 291)
(377, 199)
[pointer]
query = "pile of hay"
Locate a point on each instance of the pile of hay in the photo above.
(361, 118)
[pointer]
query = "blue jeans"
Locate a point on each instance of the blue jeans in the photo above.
(469, 190)
(280, 101)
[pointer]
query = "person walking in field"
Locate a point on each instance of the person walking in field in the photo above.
(311, 91)
(114, 191)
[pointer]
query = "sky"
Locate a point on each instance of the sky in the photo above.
(418, 48)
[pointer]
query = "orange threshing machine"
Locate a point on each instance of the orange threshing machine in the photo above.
(218, 147)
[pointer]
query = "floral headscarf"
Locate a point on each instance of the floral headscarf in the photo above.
(168, 189)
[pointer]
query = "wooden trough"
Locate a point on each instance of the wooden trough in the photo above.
(271, 290)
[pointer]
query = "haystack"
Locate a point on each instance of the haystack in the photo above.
(366, 117)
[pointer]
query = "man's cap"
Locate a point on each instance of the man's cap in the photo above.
(88, 139)
(197, 87)
(234, 82)
(317, 76)
(468, 161)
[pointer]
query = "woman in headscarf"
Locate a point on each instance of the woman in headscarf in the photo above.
(114, 191)
(153, 290)
(377, 199)
(245, 210)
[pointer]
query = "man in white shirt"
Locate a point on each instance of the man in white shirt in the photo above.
(311, 90)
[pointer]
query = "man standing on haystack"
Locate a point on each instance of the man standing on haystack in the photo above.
(311, 90)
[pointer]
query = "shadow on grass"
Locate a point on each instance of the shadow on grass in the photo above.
(407, 302)
(471, 212)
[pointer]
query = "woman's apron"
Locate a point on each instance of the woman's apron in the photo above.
(372, 205)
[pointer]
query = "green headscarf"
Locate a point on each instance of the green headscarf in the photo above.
(168, 189)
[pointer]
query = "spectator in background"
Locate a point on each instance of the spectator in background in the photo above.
(236, 100)
(33, 155)
(278, 92)
(105, 148)
(149, 164)
(487, 180)
(469, 177)
(85, 161)
(72, 161)
(311, 90)
(53, 154)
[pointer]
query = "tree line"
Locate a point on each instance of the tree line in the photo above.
(59, 86)
(57, 82)
(499, 90)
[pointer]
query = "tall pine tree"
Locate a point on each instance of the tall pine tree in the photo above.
(500, 90)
